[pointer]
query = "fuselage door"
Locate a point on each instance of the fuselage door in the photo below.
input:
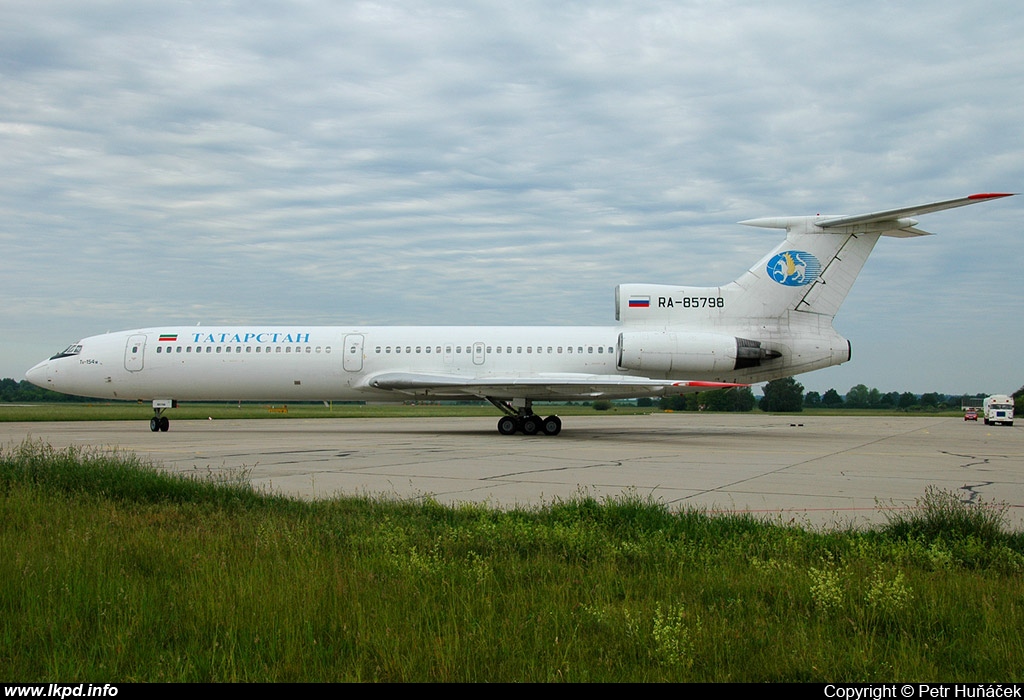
(478, 353)
(134, 352)
(353, 356)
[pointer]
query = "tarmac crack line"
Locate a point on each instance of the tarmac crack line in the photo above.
(545, 470)
(724, 487)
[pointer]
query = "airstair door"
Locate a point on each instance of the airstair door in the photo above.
(134, 353)
(353, 356)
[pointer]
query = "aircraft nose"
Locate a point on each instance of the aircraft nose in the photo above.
(40, 374)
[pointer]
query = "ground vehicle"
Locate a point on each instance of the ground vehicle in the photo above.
(999, 410)
(971, 415)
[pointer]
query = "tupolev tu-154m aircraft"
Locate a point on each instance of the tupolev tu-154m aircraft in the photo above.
(774, 321)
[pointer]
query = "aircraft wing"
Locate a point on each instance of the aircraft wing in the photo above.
(539, 387)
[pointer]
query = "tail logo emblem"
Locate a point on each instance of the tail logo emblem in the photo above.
(794, 268)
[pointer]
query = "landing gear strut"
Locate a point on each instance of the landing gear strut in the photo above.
(159, 422)
(519, 417)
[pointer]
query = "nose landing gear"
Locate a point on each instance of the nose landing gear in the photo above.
(159, 422)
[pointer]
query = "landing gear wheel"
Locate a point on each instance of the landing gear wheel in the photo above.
(507, 425)
(552, 425)
(519, 417)
(159, 422)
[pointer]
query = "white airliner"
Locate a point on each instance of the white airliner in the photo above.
(774, 321)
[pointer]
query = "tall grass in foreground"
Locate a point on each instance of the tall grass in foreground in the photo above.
(111, 570)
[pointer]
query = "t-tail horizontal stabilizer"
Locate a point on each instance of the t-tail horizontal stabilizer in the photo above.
(891, 222)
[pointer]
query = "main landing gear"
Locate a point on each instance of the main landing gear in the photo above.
(519, 417)
(159, 422)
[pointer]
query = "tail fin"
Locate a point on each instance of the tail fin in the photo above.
(807, 275)
(810, 272)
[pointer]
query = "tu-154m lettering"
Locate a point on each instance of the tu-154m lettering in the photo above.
(774, 321)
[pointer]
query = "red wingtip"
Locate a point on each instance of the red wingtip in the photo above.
(710, 385)
(991, 195)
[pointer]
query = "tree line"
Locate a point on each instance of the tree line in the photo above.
(13, 391)
(781, 395)
(787, 395)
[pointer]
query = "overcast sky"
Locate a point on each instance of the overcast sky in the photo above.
(326, 162)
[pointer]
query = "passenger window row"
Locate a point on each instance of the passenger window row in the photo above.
(496, 349)
(238, 349)
(388, 349)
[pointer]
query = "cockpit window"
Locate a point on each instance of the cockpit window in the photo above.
(72, 349)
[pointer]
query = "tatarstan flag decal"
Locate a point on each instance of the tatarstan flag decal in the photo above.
(168, 337)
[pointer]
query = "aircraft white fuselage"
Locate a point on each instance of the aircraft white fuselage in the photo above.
(325, 363)
(774, 321)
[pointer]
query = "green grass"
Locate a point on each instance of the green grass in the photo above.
(221, 411)
(112, 570)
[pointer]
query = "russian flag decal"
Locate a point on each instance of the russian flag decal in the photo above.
(639, 302)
